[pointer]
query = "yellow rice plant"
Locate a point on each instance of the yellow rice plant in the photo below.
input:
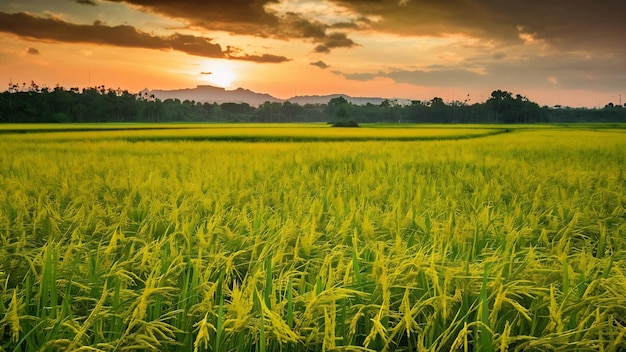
(304, 238)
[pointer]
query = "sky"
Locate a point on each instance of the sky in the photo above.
(554, 52)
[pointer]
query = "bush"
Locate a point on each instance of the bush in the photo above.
(350, 123)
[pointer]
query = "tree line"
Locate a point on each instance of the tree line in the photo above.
(35, 104)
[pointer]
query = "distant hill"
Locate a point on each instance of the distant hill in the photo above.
(211, 94)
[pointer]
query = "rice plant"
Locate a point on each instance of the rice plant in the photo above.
(508, 242)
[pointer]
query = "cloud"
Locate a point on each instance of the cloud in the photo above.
(32, 51)
(85, 2)
(251, 17)
(52, 29)
(439, 78)
(292, 25)
(445, 77)
(529, 72)
(564, 44)
(233, 16)
(563, 24)
(266, 58)
(321, 64)
(363, 76)
(600, 72)
(573, 44)
(335, 40)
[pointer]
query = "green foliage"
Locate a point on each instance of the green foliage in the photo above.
(514, 110)
(345, 123)
(339, 110)
(33, 104)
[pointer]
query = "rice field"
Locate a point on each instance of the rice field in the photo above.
(244, 132)
(307, 238)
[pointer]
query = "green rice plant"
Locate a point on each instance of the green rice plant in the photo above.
(174, 241)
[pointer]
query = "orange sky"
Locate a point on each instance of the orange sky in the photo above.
(553, 52)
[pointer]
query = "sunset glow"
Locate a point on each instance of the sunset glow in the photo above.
(219, 74)
(563, 52)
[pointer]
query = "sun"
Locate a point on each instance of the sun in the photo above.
(223, 78)
(219, 74)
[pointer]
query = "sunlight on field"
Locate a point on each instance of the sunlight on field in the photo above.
(506, 242)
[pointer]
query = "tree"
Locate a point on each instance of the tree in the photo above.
(270, 112)
(514, 110)
(291, 111)
(338, 101)
(338, 108)
(437, 103)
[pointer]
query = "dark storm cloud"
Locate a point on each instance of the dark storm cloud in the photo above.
(51, 29)
(32, 51)
(321, 64)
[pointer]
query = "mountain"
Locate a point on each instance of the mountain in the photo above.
(211, 94)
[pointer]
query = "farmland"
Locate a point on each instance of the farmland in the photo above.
(310, 238)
